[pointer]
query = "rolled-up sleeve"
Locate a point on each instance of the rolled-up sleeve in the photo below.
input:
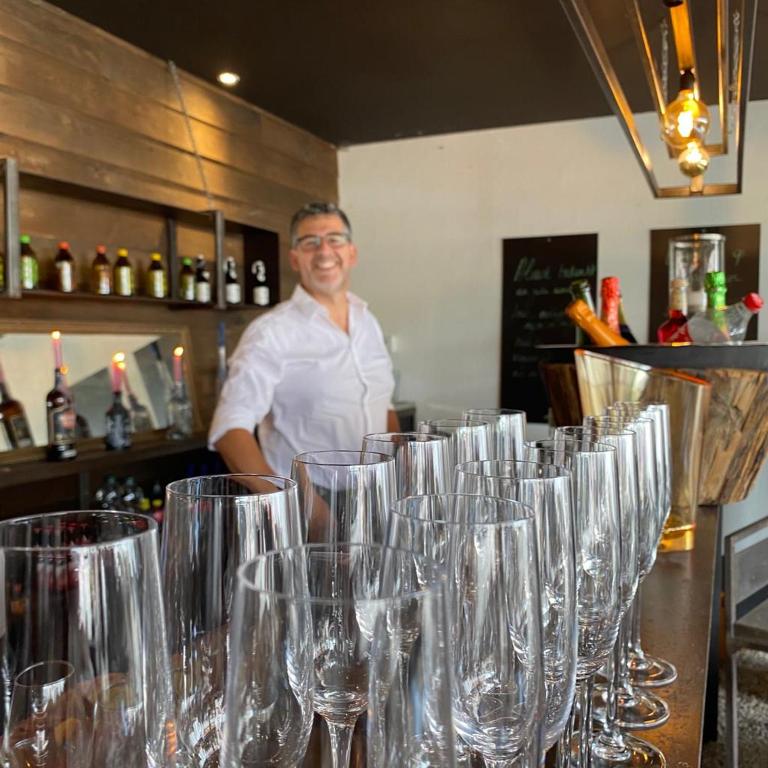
(255, 369)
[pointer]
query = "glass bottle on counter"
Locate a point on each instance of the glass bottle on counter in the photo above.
(738, 315)
(260, 287)
(202, 281)
(710, 326)
(187, 280)
(101, 273)
(232, 292)
(674, 327)
(124, 277)
(61, 416)
(580, 289)
(30, 269)
(65, 269)
(157, 278)
(585, 318)
(609, 307)
(13, 418)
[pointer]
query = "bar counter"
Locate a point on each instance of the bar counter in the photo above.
(676, 625)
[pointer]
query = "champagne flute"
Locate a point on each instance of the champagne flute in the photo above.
(507, 427)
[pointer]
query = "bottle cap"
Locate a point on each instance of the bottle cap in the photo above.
(144, 505)
(102, 249)
(186, 261)
(122, 251)
(63, 245)
(26, 239)
(753, 302)
(714, 281)
(610, 286)
(155, 256)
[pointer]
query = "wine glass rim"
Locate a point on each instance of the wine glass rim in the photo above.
(46, 517)
(68, 666)
(316, 458)
(456, 422)
(176, 487)
(494, 411)
(555, 471)
(618, 430)
(554, 444)
(413, 437)
(430, 587)
(518, 522)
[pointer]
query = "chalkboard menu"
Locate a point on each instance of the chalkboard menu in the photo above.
(537, 274)
(742, 268)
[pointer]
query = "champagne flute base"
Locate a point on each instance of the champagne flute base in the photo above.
(650, 671)
(636, 753)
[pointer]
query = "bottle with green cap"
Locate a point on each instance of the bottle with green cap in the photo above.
(30, 269)
(187, 280)
(124, 278)
(711, 325)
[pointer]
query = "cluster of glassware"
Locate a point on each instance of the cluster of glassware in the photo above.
(438, 598)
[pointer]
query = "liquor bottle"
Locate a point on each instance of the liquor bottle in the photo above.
(61, 416)
(101, 272)
(260, 287)
(738, 315)
(580, 289)
(30, 269)
(65, 269)
(710, 326)
(82, 427)
(13, 419)
(179, 407)
(124, 277)
(202, 281)
(592, 325)
(187, 281)
(624, 329)
(132, 494)
(609, 308)
(157, 279)
(117, 436)
(232, 290)
(673, 328)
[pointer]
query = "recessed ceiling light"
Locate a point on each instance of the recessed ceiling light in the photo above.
(228, 78)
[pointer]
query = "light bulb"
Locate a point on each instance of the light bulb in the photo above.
(693, 160)
(686, 118)
(228, 78)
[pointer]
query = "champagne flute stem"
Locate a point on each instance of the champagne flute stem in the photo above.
(341, 744)
(585, 720)
(635, 644)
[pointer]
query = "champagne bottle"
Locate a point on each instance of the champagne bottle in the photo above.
(157, 279)
(609, 307)
(30, 269)
(65, 268)
(580, 289)
(592, 325)
(232, 290)
(124, 277)
(260, 287)
(13, 419)
(101, 273)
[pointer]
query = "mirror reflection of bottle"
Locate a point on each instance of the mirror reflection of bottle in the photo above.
(179, 413)
(118, 425)
(61, 421)
(231, 283)
(260, 288)
(187, 280)
(202, 281)
(13, 419)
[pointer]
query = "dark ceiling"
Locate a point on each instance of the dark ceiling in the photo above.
(354, 72)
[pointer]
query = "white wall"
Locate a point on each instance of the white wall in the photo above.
(429, 215)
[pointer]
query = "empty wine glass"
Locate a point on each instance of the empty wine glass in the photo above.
(507, 427)
(598, 560)
(344, 495)
(375, 617)
(547, 490)
(421, 460)
(468, 440)
(488, 547)
(84, 659)
(212, 525)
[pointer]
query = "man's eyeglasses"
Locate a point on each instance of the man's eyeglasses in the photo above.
(310, 243)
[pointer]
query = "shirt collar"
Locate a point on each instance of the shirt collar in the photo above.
(311, 306)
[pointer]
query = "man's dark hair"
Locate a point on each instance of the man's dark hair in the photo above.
(317, 209)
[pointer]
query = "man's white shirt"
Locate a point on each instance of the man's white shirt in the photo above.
(307, 384)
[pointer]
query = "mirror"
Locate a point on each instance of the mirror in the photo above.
(27, 363)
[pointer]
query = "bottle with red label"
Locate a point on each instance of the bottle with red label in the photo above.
(61, 415)
(675, 328)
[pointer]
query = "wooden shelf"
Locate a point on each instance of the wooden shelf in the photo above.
(94, 458)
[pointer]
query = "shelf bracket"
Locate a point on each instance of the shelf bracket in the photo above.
(10, 174)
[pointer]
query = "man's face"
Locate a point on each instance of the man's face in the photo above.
(323, 263)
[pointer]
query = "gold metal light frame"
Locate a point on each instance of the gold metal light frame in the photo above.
(732, 90)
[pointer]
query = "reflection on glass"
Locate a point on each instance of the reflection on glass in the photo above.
(26, 359)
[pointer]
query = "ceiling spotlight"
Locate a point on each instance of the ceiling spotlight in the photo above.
(228, 78)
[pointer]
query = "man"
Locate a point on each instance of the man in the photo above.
(313, 373)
